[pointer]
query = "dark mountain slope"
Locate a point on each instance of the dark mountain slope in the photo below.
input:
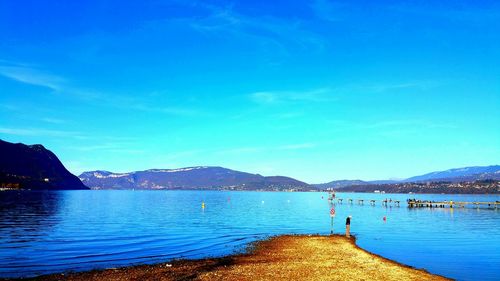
(33, 167)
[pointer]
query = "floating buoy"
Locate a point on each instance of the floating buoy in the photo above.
(203, 205)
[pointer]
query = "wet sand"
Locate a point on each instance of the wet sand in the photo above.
(286, 257)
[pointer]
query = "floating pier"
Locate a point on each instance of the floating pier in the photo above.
(385, 202)
(413, 203)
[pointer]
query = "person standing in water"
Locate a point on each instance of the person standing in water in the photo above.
(332, 216)
(348, 226)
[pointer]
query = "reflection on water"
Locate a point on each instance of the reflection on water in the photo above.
(43, 232)
(27, 215)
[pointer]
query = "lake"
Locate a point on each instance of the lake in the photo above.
(47, 232)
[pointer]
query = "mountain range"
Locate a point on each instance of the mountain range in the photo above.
(475, 173)
(201, 177)
(36, 168)
(460, 174)
(33, 167)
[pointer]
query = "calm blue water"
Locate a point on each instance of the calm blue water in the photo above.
(46, 232)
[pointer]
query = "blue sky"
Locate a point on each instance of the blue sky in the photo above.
(316, 90)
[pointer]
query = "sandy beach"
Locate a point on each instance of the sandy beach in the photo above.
(279, 258)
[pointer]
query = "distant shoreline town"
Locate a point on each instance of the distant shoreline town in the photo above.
(33, 167)
(474, 187)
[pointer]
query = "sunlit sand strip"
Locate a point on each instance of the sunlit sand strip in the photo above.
(279, 258)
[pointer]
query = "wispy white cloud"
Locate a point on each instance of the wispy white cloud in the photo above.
(415, 123)
(40, 132)
(335, 10)
(387, 87)
(100, 146)
(111, 142)
(109, 147)
(170, 110)
(10, 107)
(328, 10)
(298, 146)
(483, 13)
(265, 97)
(269, 32)
(288, 115)
(53, 120)
(315, 95)
(33, 77)
(60, 85)
(390, 125)
(423, 85)
(255, 149)
(238, 150)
